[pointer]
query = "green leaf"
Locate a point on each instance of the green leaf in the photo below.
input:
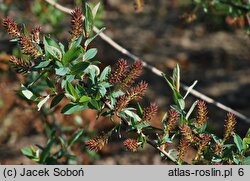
(90, 54)
(105, 73)
(76, 42)
(27, 93)
(181, 103)
(176, 78)
(55, 52)
(42, 64)
(62, 141)
(177, 108)
(166, 139)
(88, 21)
(61, 71)
(102, 90)
(84, 99)
(182, 120)
(169, 83)
(89, 40)
(141, 125)
(27, 151)
(76, 135)
(142, 139)
(94, 104)
(71, 90)
(246, 143)
(24, 30)
(117, 94)
(70, 78)
(95, 9)
(45, 153)
(216, 160)
(132, 115)
(79, 68)
(80, 89)
(163, 121)
(246, 161)
(52, 48)
(104, 84)
(42, 102)
(93, 70)
(176, 93)
(56, 100)
(59, 64)
(70, 97)
(216, 138)
(139, 110)
(48, 41)
(248, 133)
(71, 55)
(238, 142)
(191, 110)
(50, 84)
(71, 108)
(190, 89)
(203, 127)
(62, 48)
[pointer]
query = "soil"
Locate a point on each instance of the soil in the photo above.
(218, 57)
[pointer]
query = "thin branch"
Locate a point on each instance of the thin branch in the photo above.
(150, 142)
(151, 68)
(163, 152)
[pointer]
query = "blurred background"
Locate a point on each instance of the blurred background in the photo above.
(209, 47)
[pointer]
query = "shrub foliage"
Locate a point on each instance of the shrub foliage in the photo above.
(54, 71)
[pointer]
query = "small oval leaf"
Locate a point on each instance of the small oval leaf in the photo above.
(42, 102)
(56, 100)
(90, 54)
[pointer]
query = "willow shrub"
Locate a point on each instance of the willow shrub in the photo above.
(54, 71)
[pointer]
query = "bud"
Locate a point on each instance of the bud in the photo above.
(133, 72)
(149, 112)
(229, 126)
(35, 33)
(131, 144)
(171, 120)
(138, 91)
(76, 24)
(218, 149)
(202, 145)
(20, 65)
(182, 148)
(11, 27)
(97, 143)
(201, 113)
(121, 103)
(187, 133)
(27, 47)
(118, 72)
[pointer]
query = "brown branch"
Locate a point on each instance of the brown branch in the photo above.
(150, 142)
(151, 68)
(163, 152)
